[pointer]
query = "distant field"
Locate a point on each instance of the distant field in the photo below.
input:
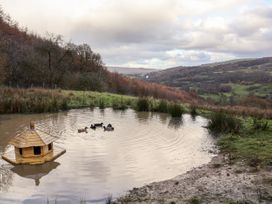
(221, 81)
(239, 91)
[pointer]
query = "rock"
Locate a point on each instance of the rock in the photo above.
(216, 165)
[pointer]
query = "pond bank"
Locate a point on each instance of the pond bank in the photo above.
(216, 182)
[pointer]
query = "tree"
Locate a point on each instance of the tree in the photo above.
(2, 69)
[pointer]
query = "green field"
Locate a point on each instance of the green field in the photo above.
(239, 92)
(78, 99)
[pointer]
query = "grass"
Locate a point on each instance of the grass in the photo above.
(175, 110)
(14, 100)
(223, 123)
(244, 138)
(81, 99)
(240, 202)
(143, 104)
(193, 111)
(251, 145)
(162, 107)
(45, 100)
(194, 200)
(239, 91)
(32, 100)
(260, 124)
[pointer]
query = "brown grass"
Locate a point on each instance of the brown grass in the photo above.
(13, 100)
(31, 100)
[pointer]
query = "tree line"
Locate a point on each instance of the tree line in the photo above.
(28, 60)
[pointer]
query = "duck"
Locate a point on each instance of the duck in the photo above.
(93, 127)
(98, 124)
(82, 130)
(108, 128)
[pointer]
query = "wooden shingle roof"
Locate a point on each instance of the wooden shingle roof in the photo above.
(32, 137)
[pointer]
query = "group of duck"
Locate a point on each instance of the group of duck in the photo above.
(109, 127)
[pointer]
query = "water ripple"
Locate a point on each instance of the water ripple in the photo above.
(143, 148)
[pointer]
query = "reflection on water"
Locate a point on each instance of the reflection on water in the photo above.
(163, 118)
(5, 177)
(193, 117)
(35, 172)
(175, 123)
(142, 116)
(144, 147)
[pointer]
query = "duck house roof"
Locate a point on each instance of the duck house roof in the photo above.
(32, 137)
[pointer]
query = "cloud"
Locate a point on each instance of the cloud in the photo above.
(126, 23)
(155, 33)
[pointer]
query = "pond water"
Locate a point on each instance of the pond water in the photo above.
(143, 148)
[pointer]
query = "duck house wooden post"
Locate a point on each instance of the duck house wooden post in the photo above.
(33, 146)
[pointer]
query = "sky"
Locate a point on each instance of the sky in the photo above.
(154, 33)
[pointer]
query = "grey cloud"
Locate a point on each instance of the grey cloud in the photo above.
(124, 24)
(145, 32)
(252, 21)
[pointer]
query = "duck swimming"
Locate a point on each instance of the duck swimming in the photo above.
(93, 127)
(108, 128)
(82, 130)
(98, 124)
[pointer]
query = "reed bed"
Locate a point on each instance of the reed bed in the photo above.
(35, 100)
(223, 123)
(31, 101)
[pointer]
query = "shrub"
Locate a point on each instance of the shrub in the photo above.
(142, 104)
(193, 111)
(119, 105)
(162, 107)
(64, 105)
(222, 123)
(101, 104)
(92, 104)
(175, 110)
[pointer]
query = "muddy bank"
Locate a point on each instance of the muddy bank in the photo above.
(217, 182)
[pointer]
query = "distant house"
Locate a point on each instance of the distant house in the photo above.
(33, 146)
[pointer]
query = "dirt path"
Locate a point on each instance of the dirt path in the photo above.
(216, 182)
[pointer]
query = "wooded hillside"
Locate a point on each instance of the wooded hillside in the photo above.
(29, 60)
(231, 82)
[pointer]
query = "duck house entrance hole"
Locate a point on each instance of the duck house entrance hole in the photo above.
(37, 150)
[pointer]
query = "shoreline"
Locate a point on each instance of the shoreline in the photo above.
(219, 181)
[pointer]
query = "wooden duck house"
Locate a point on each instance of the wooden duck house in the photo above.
(33, 146)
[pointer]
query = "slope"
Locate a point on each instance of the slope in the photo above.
(221, 81)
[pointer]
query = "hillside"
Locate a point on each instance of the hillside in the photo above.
(228, 81)
(28, 60)
(131, 71)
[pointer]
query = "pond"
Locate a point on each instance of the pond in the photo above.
(143, 148)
